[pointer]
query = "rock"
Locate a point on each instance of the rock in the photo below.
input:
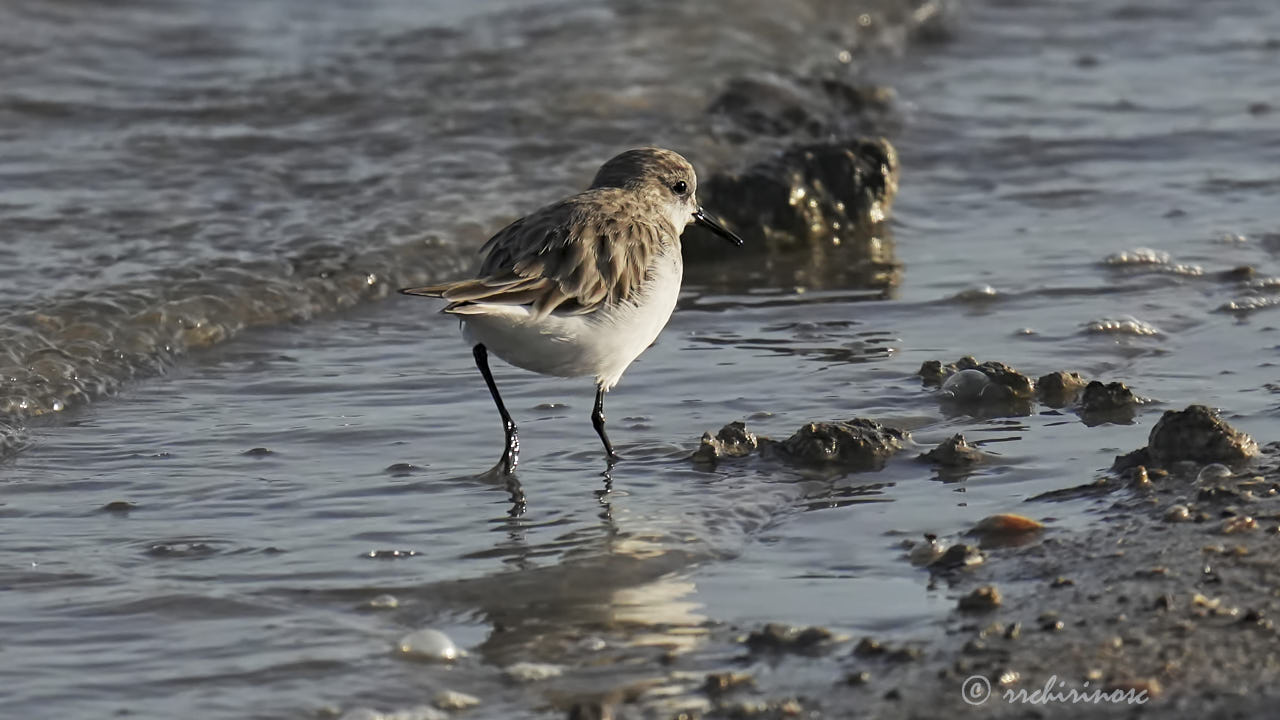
(733, 440)
(1199, 435)
(932, 372)
(1109, 402)
(1130, 460)
(776, 637)
(1059, 389)
(858, 444)
(984, 599)
(808, 196)
(954, 452)
(958, 556)
(1004, 385)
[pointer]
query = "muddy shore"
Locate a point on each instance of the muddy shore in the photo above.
(1165, 607)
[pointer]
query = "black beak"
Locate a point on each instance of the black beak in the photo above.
(701, 217)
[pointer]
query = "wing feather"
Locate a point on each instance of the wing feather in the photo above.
(572, 257)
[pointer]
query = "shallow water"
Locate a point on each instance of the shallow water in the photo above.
(231, 196)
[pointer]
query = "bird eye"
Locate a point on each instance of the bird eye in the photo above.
(680, 187)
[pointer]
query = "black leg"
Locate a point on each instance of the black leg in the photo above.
(510, 455)
(597, 419)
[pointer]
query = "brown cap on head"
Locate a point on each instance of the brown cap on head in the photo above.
(633, 167)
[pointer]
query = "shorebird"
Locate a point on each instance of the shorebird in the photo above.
(582, 286)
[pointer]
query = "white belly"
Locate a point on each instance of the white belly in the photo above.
(600, 344)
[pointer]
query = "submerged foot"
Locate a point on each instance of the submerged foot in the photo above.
(511, 455)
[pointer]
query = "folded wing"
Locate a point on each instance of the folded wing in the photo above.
(574, 256)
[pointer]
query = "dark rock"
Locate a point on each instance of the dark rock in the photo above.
(958, 556)
(1100, 397)
(858, 443)
(1199, 435)
(843, 189)
(776, 637)
(1059, 389)
(1019, 386)
(1139, 457)
(955, 451)
(733, 440)
(1108, 402)
(1005, 383)
(933, 372)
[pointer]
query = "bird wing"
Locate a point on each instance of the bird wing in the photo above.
(574, 256)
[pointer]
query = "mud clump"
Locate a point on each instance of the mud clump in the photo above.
(1015, 384)
(1108, 402)
(1107, 397)
(857, 443)
(810, 195)
(1059, 389)
(990, 386)
(1199, 435)
(779, 638)
(733, 440)
(954, 452)
(994, 386)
